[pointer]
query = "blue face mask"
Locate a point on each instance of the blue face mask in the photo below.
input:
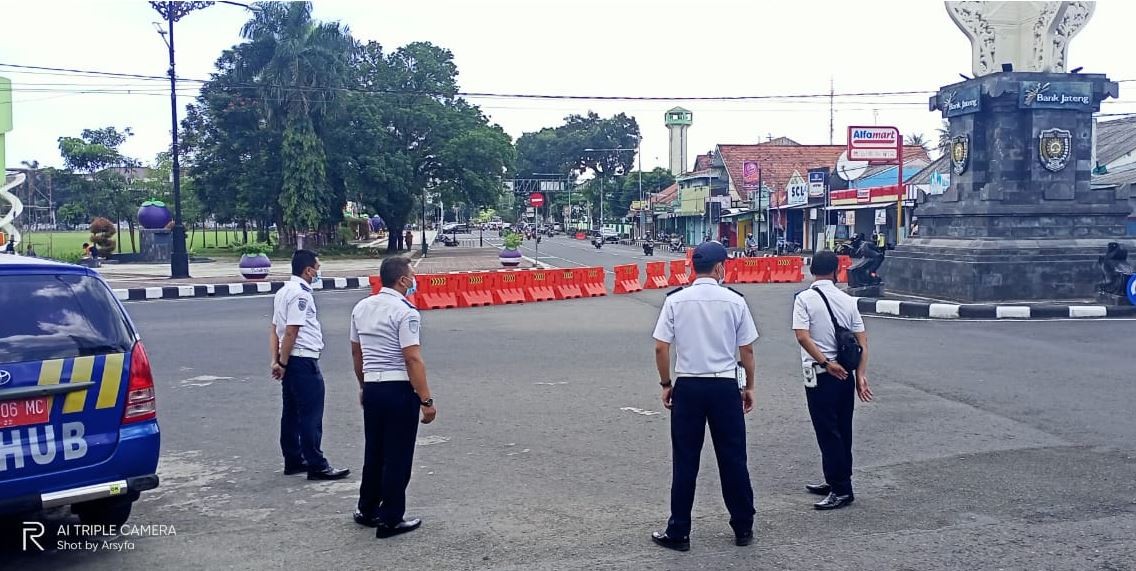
(413, 287)
(318, 279)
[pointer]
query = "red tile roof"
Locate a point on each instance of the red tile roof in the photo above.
(665, 195)
(702, 162)
(779, 161)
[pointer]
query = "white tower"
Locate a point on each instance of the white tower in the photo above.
(678, 121)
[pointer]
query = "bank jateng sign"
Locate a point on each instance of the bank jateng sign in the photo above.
(961, 102)
(1056, 95)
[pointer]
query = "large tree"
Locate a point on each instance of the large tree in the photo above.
(91, 160)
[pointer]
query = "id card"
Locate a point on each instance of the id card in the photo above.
(810, 376)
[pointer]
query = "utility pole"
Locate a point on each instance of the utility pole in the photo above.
(831, 110)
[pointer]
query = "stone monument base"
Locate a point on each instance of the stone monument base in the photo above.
(1112, 299)
(155, 245)
(997, 269)
(875, 291)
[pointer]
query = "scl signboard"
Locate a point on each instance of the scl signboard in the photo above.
(873, 143)
(797, 189)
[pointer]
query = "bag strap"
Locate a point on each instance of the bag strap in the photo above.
(835, 326)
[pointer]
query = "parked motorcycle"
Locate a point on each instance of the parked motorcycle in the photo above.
(597, 241)
(648, 248)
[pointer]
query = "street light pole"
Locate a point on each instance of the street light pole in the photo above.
(171, 12)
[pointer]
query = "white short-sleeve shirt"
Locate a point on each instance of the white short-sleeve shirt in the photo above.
(383, 325)
(707, 323)
(294, 305)
(810, 314)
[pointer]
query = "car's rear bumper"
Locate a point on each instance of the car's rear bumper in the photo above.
(126, 489)
(130, 470)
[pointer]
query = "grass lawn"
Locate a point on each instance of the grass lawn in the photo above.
(52, 244)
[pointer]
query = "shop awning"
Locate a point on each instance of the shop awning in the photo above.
(735, 212)
(862, 206)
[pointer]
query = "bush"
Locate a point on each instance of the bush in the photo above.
(513, 241)
(253, 248)
(102, 236)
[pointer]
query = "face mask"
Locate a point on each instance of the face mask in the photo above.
(318, 278)
(413, 286)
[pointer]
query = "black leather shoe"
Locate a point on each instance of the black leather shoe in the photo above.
(818, 489)
(743, 539)
(675, 543)
(365, 520)
(329, 473)
(291, 470)
(834, 502)
(383, 531)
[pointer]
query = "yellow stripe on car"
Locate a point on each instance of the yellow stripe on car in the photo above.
(80, 373)
(112, 380)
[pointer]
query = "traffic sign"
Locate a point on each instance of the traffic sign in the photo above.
(1132, 289)
(536, 199)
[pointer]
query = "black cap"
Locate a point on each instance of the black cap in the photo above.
(709, 253)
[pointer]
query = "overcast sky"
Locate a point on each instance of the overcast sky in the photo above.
(559, 47)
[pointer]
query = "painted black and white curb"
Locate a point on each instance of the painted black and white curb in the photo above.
(988, 311)
(230, 290)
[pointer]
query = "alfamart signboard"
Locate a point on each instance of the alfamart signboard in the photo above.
(873, 143)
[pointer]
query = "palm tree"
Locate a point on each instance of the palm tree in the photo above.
(916, 140)
(298, 65)
(944, 133)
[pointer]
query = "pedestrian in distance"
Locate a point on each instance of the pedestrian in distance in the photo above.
(296, 341)
(387, 356)
(409, 237)
(834, 358)
(709, 325)
(30, 251)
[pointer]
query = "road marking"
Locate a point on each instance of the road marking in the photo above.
(639, 411)
(429, 440)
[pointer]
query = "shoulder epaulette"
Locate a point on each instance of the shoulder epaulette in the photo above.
(735, 291)
(306, 288)
(674, 291)
(410, 305)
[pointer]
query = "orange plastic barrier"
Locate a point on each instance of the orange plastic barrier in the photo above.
(690, 255)
(732, 270)
(680, 274)
(627, 279)
(593, 284)
(656, 275)
(435, 291)
(376, 284)
(473, 289)
(507, 286)
(540, 285)
(752, 271)
(570, 284)
(581, 236)
(842, 269)
(786, 269)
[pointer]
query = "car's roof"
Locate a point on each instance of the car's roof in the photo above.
(10, 264)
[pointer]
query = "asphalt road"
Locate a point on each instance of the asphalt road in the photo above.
(1004, 445)
(565, 252)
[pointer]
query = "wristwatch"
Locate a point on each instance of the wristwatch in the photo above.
(428, 402)
(665, 384)
(824, 365)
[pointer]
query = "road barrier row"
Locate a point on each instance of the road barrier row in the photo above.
(503, 287)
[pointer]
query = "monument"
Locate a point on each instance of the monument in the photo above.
(1019, 220)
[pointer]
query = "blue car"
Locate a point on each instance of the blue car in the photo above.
(78, 423)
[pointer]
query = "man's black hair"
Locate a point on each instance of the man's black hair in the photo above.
(392, 270)
(703, 268)
(302, 260)
(824, 263)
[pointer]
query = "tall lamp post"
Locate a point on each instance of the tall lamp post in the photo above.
(171, 12)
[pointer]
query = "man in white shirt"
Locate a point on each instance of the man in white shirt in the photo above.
(830, 388)
(295, 343)
(387, 355)
(709, 325)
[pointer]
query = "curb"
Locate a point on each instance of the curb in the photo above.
(229, 290)
(896, 308)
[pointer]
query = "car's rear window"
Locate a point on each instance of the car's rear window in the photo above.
(46, 316)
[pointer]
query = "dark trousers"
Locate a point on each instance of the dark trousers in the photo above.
(695, 402)
(301, 421)
(831, 403)
(390, 425)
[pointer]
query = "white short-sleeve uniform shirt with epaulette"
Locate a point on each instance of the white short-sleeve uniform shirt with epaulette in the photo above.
(707, 323)
(294, 305)
(809, 313)
(383, 325)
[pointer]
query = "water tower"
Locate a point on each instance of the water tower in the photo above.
(678, 122)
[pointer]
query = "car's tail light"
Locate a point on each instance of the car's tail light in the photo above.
(140, 404)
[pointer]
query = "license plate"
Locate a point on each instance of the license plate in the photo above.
(25, 412)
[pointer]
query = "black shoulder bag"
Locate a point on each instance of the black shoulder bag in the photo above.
(848, 350)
